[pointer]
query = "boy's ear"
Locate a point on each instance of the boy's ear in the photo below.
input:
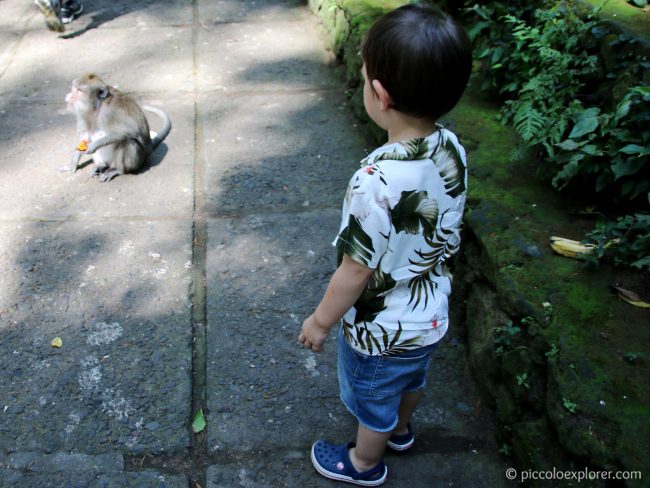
(384, 97)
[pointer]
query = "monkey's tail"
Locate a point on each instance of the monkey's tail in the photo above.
(164, 131)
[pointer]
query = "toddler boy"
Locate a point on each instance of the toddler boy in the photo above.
(401, 222)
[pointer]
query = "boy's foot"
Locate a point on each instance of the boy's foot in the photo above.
(402, 442)
(333, 462)
(70, 10)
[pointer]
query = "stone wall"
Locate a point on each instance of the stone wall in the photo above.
(549, 345)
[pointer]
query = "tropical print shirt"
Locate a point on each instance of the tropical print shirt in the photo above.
(401, 217)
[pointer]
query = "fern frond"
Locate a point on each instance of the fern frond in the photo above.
(529, 122)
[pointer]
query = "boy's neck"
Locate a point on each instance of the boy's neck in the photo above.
(401, 127)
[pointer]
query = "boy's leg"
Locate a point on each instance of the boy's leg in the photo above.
(407, 406)
(369, 449)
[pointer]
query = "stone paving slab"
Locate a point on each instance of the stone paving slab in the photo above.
(278, 55)
(38, 139)
(8, 41)
(293, 150)
(293, 469)
(147, 479)
(282, 398)
(14, 14)
(44, 64)
(262, 403)
(219, 11)
(117, 294)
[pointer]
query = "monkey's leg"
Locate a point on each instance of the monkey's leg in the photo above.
(101, 161)
(109, 175)
(98, 170)
(123, 159)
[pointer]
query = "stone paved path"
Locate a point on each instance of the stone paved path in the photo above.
(184, 286)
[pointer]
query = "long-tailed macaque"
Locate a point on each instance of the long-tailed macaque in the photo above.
(112, 127)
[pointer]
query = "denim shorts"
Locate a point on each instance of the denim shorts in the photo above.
(372, 386)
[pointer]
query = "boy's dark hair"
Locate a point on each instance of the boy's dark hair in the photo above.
(421, 56)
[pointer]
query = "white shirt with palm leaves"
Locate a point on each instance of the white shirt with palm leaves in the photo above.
(401, 217)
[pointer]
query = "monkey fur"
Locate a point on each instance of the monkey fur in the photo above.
(113, 126)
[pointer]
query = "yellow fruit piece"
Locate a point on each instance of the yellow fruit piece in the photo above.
(83, 145)
(57, 342)
(570, 248)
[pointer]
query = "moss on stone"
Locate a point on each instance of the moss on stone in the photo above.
(511, 209)
(629, 17)
(533, 448)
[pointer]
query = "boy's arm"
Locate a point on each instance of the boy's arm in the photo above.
(345, 287)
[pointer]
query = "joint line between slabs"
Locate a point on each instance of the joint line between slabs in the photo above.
(198, 290)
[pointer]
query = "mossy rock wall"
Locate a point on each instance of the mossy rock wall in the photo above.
(549, 345)
(346, 23)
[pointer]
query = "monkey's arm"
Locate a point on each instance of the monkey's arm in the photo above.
(110, 138)
(74, 163)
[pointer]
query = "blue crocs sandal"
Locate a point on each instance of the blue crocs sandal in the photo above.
(402, 442)
(333, 462)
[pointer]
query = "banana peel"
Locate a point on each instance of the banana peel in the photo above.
(570, 248)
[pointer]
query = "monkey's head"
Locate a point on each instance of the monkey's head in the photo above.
(87, 94)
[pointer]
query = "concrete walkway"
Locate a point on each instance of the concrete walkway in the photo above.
(184, 286)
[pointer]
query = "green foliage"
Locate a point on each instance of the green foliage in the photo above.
(538, 59)
(610, 145)
(546, 62)
(633, 357)
(552, 352)
(504, 336)
(522, 380)
(638, 3)
(569, 405)
(626, 241)
(552, 61)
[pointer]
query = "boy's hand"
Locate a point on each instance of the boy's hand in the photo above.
(313, 334)
(345, 287)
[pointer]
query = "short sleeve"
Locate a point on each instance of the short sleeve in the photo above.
(365, 228)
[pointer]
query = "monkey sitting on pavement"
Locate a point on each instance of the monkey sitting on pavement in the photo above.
(112, 127)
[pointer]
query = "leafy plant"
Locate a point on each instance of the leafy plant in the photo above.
(553, 59)
(504, 336)
(546, 60)
(552, 352)
(528, 321)
(633, 357)
(505, 449)
(569, 405)
(522, 380)
(626, 241)
(606, 145)
(548, 311)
